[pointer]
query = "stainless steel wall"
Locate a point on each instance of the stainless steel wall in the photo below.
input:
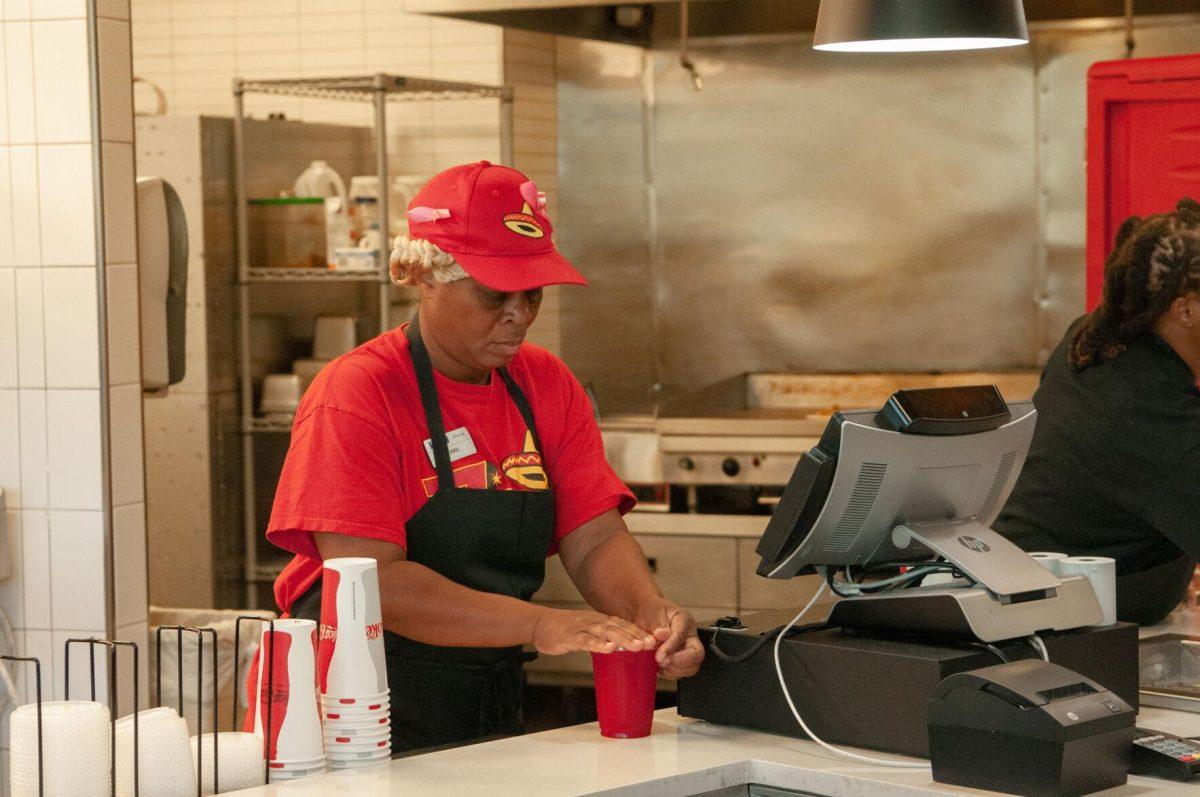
(1063, 55)
(823, 212)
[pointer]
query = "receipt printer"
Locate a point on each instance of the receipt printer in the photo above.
(1029, 727)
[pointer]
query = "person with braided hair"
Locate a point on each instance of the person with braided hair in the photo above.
(1114, 466)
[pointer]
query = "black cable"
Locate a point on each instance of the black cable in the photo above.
(738, 658)
(863, 573)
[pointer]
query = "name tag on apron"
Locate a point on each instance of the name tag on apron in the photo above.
(458, 441)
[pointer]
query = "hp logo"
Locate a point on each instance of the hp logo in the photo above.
(977, 545)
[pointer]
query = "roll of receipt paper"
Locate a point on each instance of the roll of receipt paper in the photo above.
(1048, 560)
(1101, 571)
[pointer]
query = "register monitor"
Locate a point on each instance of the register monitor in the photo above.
(917, 481)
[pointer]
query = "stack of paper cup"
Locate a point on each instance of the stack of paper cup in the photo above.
(241, 765)
(351, 668)
(1048, 559)
(75, 748)
(1101, 571)
(294, 746)
(164, 766)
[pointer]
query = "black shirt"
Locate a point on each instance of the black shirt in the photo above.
(1114, 467)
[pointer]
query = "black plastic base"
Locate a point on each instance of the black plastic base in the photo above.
(1027, 766)
(872, 690)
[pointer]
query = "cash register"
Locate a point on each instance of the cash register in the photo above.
(892, 508)
(917, 482)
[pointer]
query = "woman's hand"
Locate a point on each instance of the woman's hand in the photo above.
(679, 650)
(559, 631)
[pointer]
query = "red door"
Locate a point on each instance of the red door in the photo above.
(1143, 147)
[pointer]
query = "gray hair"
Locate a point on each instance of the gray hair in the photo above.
(415, 259)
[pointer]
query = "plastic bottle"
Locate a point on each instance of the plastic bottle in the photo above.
(319, 180)
(338, 232)
(364, 209)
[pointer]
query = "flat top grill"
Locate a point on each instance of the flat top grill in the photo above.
(799, 405)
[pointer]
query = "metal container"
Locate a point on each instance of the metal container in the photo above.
(287, 232)
(1169, 671)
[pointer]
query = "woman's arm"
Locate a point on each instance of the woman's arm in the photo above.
(422, 605)
(609, 568)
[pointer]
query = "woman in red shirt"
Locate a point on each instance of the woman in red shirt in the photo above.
(460, 457)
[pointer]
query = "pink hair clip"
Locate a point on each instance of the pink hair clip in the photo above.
(535, 198)
(423, 214)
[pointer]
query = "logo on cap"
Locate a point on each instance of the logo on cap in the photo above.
(524, 223)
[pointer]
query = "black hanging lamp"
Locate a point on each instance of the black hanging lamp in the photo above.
(891, 26)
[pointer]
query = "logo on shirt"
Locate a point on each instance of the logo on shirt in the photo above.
(525, 467)
(480, 475)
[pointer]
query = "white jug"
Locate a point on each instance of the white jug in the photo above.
(404, 188)
(320, 180)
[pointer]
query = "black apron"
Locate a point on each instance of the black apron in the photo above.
(489, 540)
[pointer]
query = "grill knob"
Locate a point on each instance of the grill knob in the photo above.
(731, 466)
(686, 463)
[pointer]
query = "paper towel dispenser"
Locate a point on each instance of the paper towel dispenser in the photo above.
(162, 269)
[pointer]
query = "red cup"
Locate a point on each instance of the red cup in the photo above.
(625, 692)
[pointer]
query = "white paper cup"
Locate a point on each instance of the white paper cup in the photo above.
(311, 763)
(375, 721)
(350, 651)
(369, 746)
(75, 748)
(293, 774)
(358, 759)
(340, 738)
(342, 766)
(295, 719)
(355, 729)
(362, 729)
(373, 754)
(241, 765)
(346, 754)
(353, 766)
(344, 759)
(340, 714)
(361, 701)
(165, 765)
(381, 721)
(315, 763)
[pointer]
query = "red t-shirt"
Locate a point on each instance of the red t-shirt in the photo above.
(358, 464)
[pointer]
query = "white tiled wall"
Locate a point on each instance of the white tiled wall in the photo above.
(57, 421)
(192, 49)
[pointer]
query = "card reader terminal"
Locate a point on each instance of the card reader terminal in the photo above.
(1161, 755)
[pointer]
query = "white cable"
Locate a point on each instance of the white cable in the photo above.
(796, 714)
(1039, 646)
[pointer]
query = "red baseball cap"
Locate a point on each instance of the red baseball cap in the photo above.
(493, 220)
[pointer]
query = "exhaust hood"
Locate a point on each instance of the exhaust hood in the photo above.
(652, 24)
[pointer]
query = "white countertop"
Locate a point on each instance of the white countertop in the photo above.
(682, 756)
